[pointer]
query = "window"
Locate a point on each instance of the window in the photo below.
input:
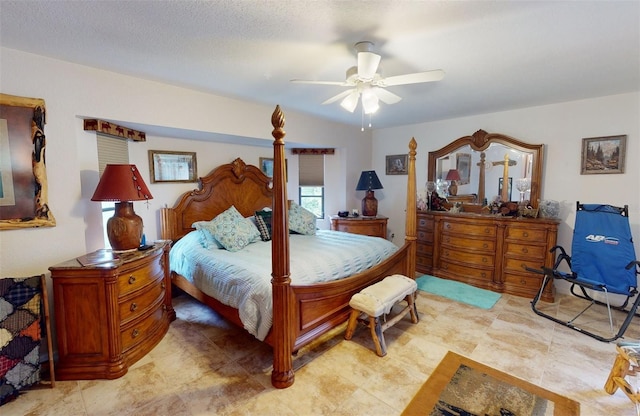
(311, 183)
(312, 198)
(110, 151)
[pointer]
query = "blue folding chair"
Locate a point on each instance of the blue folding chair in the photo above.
(603, 260)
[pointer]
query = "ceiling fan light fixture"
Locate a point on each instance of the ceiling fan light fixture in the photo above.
(350, 101)
(370, 102)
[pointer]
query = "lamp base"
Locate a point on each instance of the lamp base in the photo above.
(369, 205)
(453, 188)
(124, 229)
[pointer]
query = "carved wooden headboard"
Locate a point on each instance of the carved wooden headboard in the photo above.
(236, 183)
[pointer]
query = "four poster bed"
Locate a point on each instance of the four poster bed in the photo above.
(300, 312)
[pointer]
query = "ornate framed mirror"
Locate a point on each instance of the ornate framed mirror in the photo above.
(485, 161)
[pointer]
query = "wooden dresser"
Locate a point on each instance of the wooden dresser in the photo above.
(110, 314)
(487, 251)
(373, 226)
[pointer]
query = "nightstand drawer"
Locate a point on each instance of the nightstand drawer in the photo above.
(138, 305)
(140, 331)
(139, 276)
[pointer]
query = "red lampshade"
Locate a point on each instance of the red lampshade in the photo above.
(453, 175)
(121, 183)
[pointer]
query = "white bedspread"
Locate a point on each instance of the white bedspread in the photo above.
(242, 279)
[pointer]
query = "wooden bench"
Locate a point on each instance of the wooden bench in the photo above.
(375, 301)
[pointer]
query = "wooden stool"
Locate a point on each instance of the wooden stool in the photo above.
(626, 364)
(377, 300)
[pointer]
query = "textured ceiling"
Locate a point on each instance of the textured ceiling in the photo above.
(497, 55)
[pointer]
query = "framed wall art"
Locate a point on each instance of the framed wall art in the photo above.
(170, 166)
(463, 165)
(24, 199)
(266, 166)
(396, 164)
(603, 155)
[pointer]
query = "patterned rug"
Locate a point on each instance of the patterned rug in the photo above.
(461, 386)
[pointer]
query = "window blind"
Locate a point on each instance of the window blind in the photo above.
(311, 170)
(111, 150)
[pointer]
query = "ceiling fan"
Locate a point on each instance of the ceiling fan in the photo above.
(367, 82)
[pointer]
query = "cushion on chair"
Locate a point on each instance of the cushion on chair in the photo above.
(380, 297)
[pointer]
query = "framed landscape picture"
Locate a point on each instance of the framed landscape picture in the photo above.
(603, 155)
(170, 166)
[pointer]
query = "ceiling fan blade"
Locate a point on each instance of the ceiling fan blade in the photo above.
(416, 78)
(386, 96)
(302, 81)
(367, 65)
(338, 97)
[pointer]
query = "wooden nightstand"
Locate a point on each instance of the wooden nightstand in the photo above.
(109, 315)
(373, 226)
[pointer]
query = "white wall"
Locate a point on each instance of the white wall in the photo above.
(72, 92)
(560, 127)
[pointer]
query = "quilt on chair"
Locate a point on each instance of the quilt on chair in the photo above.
(20, 335)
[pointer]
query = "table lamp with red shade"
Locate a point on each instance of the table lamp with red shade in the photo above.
(123, 184)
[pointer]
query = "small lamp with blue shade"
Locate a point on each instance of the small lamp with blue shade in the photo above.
(369, 182)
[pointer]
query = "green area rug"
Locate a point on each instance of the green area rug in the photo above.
(457, 291)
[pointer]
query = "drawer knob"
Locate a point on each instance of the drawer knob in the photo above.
(487, 230)
(523, 282)
(132, 279)
(485, 245)
(484, 260)
(483, 274)
(525, 234)
(524, 250)
(135, 333)
(133, 307)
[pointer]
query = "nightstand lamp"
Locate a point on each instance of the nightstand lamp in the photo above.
(369, 182)
(123, 184)
(453, 176)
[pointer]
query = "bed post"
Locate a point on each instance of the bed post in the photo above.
(282, 375)
(411, 220)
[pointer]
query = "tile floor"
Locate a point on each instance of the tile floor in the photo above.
(203, 366)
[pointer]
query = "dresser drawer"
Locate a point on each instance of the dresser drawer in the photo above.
(474, 259)
(135, 278)
(530, 282)
(488, 231)
(527, 251)
(139, 331)
(425, 224)
(526, 234)
(138, 305)
(483, 245)
(424, 249)
(425, 236)
(518, 265)
(485, 275)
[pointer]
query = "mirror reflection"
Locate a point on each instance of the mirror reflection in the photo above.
(487, 167)
(482, 173)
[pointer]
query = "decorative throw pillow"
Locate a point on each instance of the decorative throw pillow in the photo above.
(263, 221)
(206, 238)
(301, 220)
(232, 230)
